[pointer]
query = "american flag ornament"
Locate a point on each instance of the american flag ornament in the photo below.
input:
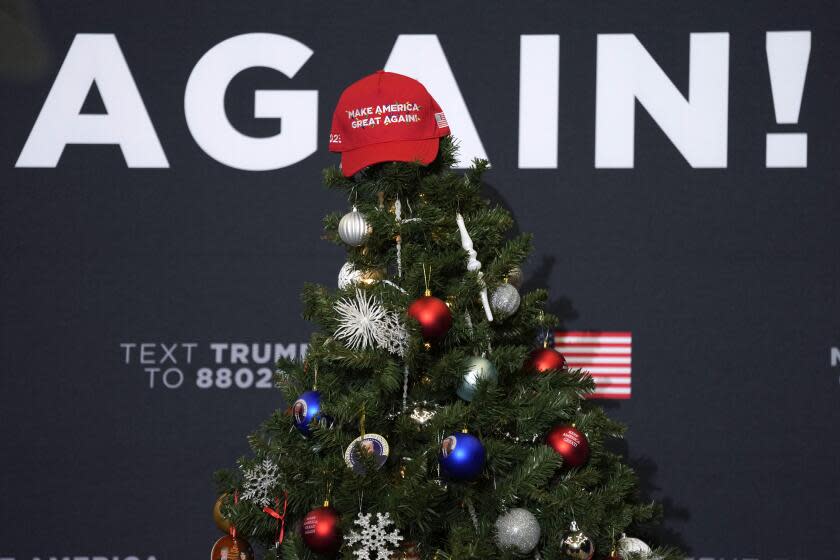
(605, 355)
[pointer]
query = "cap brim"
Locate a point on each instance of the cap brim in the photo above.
(424, 151)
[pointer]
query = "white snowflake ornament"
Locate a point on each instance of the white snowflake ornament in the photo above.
(364, 323)
(374, 539)
(260, 481)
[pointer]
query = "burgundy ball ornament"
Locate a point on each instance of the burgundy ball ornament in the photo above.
(320, 530)
(570, 443)
(433, 315)
(544, 359)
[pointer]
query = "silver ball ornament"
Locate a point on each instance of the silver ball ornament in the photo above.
(576, 545)
(518, 529)
(631, 545)
(505, 300)
(477, 368)
(353, 228)
(347, 276)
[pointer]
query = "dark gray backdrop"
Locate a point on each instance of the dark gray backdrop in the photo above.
(727, 278)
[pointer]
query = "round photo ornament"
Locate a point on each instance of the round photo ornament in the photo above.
(369, 444)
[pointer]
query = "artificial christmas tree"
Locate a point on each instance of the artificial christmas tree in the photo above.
(418, 403)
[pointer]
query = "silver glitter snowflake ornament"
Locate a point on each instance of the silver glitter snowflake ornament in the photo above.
(374, 539)
(363, 322)
(260, 483)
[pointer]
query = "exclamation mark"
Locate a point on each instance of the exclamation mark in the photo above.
(788, 53)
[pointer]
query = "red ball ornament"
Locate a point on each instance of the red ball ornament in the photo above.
(544, 359)
(433, 315)
(570, 443)
(321, 533)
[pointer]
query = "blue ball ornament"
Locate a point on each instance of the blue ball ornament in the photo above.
(461, 457)
(306, 409)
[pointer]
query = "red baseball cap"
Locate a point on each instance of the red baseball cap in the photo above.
(386, 117)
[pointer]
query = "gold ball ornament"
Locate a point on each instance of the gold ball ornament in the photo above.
(350, 275)
(576, 545)
(222, 522)
(372, 276)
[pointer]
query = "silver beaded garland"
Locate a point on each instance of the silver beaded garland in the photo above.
(576, 545)
(477, 368)
(505, 300)
(518, 529)
(353, 228)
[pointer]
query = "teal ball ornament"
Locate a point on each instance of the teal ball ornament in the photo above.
(478, 368)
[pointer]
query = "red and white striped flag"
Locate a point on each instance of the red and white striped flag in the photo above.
(607, 356)
(441, 120)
